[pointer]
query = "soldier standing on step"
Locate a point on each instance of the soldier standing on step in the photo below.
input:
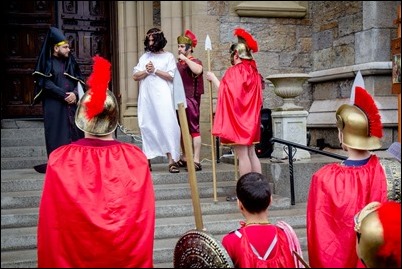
(191, 71)
(339, 190)
(98, 204)
(57, 75)
(238, 110)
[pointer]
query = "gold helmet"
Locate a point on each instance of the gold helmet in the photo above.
(98, 111)
(188, 38)
(103, 123)
(378, 228)
(360, 121)
(246, 43)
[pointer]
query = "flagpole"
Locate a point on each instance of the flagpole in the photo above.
(208, 47)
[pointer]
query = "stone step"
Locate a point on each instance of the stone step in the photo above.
(20, 244)
(23, 151)
(26, 258)
(160, 175)
(24, 199)
(13, 180)
(163, 253)
(27, 217)
(21, 162)
(22, 133)
(21, 123)
(24, 141)
(21, 180)
(172, 227)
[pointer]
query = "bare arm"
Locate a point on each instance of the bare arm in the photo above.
(163, 74)
(195, 67)
(140, 75)
(211, 77)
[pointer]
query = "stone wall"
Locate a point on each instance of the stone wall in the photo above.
(329, 40)
(333, 35)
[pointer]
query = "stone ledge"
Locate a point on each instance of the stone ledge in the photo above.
(271, 9)
(322, 112)
(373, 68)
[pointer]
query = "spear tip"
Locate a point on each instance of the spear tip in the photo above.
(208, 44)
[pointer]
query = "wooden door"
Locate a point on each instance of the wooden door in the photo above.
(86, 24)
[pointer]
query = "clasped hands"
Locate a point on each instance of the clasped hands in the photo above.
(150, 68)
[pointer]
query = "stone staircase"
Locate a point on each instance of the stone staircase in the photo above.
(22, 147)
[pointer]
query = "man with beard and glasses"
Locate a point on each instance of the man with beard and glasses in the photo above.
(57, 75)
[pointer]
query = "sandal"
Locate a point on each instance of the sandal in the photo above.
(173, 168)
(197, 166)
(182, 163)
(231, 198)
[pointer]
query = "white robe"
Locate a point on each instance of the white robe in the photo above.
(157, 118)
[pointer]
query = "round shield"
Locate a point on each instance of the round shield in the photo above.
(197, 249)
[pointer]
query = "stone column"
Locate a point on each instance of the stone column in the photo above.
(172, 23)
(134, 19)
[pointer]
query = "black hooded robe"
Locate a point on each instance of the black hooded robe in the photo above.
(58, 115)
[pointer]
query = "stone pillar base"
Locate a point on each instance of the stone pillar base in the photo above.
(290, 126)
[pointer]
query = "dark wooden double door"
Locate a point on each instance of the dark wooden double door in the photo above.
(86, 24)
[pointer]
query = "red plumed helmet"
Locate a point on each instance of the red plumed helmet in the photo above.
(98, 110)
(247, 38)
(188, 38)
(192, 36)
(380, 237)
(98, 84)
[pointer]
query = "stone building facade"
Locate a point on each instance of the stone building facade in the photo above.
(329, 40)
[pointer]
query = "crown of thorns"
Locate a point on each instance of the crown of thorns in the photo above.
(153, 33)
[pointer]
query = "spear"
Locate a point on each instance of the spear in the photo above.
(180, 104)
(208, 48)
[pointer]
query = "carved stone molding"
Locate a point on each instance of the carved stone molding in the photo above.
(271, 9)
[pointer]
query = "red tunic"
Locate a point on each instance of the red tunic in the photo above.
(193, 88)
(273, 246)
(336, 194)
(97, 208)
(238, 109)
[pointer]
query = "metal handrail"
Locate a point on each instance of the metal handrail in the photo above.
(291, 153)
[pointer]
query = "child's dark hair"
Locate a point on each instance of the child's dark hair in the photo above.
(254, 192)
(159, 40)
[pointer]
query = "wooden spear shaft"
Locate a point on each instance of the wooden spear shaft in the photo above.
(212, 136)
(188, 149)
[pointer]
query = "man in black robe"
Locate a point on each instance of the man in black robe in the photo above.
(57, 76)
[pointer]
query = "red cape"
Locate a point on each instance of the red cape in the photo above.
(336, 194)
(97, 208)
(238, 109)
